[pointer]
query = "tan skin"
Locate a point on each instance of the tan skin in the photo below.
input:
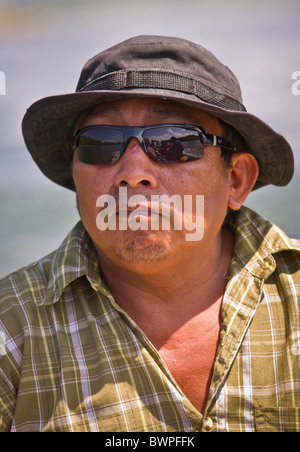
(170, 287)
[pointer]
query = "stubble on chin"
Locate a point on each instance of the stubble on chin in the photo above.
(139, 250)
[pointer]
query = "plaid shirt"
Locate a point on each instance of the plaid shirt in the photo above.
(72, 360)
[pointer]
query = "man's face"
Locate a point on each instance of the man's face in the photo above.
(141, 176)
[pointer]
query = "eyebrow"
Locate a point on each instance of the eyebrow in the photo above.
(158, 112)
(103, 109)
(169, 113)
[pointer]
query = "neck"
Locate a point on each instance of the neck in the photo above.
(192, 283)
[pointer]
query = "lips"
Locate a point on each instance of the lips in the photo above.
(139, 213)
(145, 210)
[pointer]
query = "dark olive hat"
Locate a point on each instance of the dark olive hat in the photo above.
(152, 66)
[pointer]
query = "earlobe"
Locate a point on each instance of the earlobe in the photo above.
(243, 175)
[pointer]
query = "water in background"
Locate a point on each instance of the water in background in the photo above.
(43, 46)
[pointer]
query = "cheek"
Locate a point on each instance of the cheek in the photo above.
(90, 179)
(194, 179)
(210, 179)
(182, 179)
(90, 183)
(86, 203)
(216, 197)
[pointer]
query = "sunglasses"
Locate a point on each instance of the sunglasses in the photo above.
(163, 143)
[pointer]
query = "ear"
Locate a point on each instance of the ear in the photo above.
(243, 175)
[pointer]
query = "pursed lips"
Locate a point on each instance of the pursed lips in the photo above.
(139, 213)
(145, 210)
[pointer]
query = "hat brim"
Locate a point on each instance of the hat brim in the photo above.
(48, 128)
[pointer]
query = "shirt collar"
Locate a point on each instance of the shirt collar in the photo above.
(76, 257)
(257, 241)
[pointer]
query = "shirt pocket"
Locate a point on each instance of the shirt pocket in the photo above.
(269, 419)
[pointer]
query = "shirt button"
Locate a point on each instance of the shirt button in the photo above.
(208, 424)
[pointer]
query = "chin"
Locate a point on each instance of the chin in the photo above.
(141, 247)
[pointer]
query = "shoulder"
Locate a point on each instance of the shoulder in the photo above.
(261, 234)
(30, 284)
(20, 294)
(27, 283)
(262, 247)
(43, 282)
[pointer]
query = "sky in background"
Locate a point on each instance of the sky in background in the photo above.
(43, 46)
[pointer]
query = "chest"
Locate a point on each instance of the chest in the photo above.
(189, 353)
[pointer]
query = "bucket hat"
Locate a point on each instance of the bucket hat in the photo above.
(152, 66)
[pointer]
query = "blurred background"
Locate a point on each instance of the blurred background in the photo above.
(43, 46)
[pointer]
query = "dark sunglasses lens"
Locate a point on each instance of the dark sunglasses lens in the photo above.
(100, 146)
(173, 144)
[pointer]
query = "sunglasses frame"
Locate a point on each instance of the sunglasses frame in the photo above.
(137, 132)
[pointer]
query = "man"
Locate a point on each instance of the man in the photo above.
(133, 324)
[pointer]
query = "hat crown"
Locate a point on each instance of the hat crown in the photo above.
(162, 63)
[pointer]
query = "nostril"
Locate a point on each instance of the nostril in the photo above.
(144, 182)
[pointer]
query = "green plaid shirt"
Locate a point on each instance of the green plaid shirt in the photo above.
(72, 360)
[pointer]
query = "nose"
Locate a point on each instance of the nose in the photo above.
(135, 168)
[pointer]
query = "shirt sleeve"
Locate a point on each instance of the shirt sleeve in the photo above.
(11, 352)
(7, 402)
